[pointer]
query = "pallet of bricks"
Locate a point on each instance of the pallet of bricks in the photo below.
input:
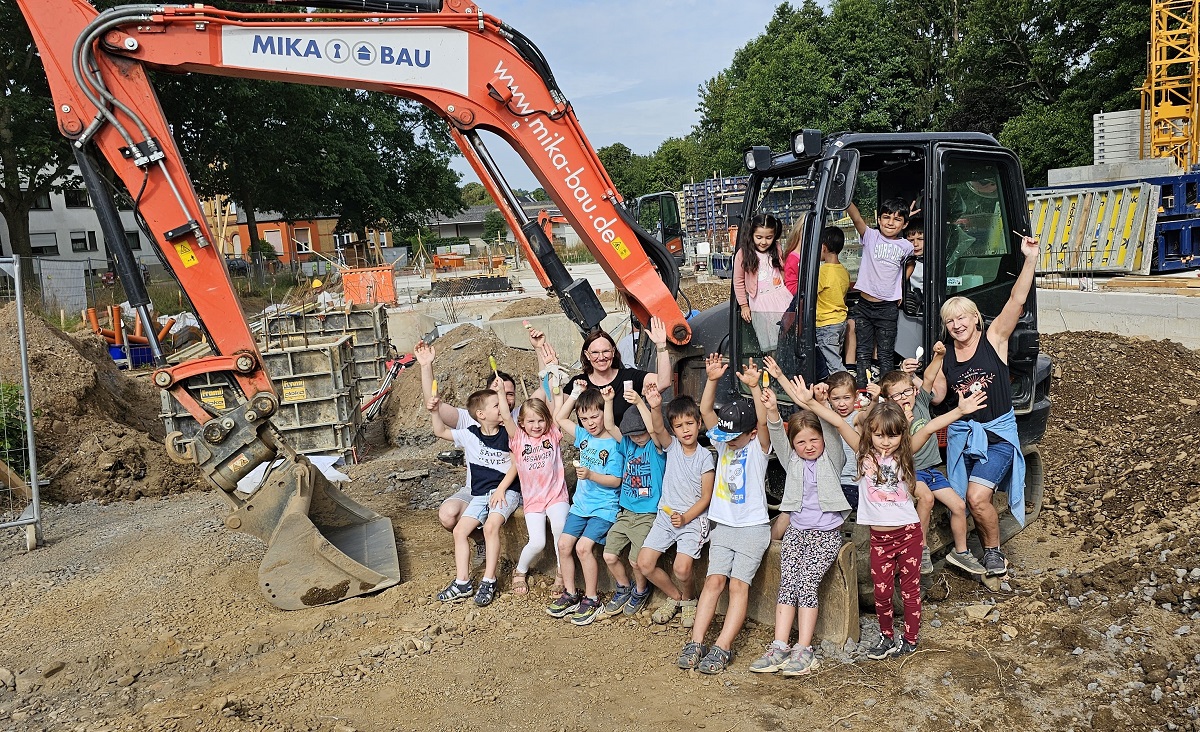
(319, 410)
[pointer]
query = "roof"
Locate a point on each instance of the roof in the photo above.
(265, 216)
(476, 214)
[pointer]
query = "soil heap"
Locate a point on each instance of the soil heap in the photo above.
(528, 307)
(460, 367)
(97, 429)
(704, 295)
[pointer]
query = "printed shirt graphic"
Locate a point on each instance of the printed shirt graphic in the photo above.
(882, 269)
(540, 468)
(740, 495)
(488, 456)
(465, 420)
(681, 481)
(641, 486)
(601, 455)
(883, 499)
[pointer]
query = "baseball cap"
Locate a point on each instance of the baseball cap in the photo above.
(734, 419)
(632, 422)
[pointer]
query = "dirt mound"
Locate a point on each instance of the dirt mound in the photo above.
(528, 307)
(704, 295)
(461, 367)
(97, 429)
(1120, 446)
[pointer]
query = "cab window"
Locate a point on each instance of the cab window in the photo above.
(977, 230)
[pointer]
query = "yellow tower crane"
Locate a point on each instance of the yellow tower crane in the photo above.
(1170, 93)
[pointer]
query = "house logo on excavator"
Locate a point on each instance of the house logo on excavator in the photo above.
(338, 51)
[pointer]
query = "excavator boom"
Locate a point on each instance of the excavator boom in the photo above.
(472, 69)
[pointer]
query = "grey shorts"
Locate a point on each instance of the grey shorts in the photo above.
(479, 509)
(463, 494)
(689, 538)
(736, 552)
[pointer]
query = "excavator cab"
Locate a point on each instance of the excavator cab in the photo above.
(658, 213)
(971, 196)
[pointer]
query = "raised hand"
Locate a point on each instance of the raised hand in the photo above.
(608, 393)
(913, 210)
(749, 375)
(769, 401)
(800, 390)
(432, 403)
(875, 391)
(536, 338)
(715, 366)
(820, 393)
(653, 396)
(424, 353)
(577, 388)
(773, 368)
(939, 349)
(909, 365)
(658, 331)
(1030, 246)
(630, 395)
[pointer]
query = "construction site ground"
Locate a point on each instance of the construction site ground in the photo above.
(142, 613)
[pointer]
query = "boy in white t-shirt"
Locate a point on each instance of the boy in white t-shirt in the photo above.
(740, 526)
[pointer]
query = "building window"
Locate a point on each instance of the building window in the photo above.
(303, 240)
(77, 198)
(44, 245)
(41, 202)
(79, 242)
(132, 240)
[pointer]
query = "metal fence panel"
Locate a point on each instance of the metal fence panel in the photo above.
(19, 501)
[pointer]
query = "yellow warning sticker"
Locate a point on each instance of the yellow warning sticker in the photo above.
(294, 391)
(214, 398)
(186, 255)
(619, 246)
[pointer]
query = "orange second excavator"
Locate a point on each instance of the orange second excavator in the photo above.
(474, 70)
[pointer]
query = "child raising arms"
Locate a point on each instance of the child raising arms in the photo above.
(535, 439)
(811, 452)
(885, 465)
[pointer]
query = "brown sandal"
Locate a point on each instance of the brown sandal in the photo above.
(557, 588)
(519, 585)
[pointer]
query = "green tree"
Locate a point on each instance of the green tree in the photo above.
(625, 167)
(474, 194)
(494, 225)
(34, 157)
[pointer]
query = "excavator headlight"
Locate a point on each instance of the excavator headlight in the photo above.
(758, 158)
(806, 142)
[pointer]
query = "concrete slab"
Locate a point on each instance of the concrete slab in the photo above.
(406, 327)
(559, 330)
(1138, 315)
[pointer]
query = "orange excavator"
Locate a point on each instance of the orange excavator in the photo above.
(474, 70)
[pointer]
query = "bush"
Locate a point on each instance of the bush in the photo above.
(12, 429)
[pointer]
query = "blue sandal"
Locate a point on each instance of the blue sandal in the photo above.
(456, 592)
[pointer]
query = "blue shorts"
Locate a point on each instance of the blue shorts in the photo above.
(934, 479)
(590, 527)
(992, 471)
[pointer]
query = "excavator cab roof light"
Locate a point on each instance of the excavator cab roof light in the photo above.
(758, 158)
(807, 143)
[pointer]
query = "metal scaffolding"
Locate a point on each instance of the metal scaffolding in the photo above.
(1170, 93)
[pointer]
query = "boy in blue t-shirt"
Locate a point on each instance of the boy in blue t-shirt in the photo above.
(598, 470)
(641, 489)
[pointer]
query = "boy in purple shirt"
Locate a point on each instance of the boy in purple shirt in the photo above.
(879, 284)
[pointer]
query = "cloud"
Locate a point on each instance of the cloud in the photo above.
(630, 68)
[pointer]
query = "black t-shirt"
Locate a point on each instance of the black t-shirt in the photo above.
(983, 371)
(637, 376)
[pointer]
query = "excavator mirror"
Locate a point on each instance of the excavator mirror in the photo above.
(840, 192)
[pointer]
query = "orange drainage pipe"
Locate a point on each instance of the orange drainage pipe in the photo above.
(114, 313)
(166, 330)
(93, 320)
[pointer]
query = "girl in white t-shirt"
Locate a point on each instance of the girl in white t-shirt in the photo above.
(886, 475)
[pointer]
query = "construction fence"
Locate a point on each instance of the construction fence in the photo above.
(19, 502)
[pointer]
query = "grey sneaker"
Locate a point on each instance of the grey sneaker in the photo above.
(619, 599)
(691, 655)
(965, 561)
(994, 562)
(906, 648)
(801, 662)
(564, 605)
(771, 661)
(885, 648)
(637, 602)
(926, 561)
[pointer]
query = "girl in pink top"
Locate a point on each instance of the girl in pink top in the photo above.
(758, 279)
(535, 444)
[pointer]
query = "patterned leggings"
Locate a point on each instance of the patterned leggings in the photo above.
(892, 551)
(804, 558)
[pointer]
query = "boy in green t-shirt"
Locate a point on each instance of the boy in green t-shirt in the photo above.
(832, 283)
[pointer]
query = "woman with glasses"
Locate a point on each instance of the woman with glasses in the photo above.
(602, 365)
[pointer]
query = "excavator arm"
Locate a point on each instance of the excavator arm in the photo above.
(472, 69)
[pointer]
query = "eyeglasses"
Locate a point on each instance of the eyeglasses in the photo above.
(903, 394)
(601, 354)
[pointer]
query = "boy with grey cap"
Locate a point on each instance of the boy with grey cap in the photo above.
(740, 526)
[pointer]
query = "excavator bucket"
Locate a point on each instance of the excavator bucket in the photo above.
(322, 546)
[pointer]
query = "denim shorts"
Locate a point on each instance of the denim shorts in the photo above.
(991, 471)
(590, 527)
(934, 479)
(479, 508)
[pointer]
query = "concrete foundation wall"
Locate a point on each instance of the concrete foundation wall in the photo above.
(1139, 315)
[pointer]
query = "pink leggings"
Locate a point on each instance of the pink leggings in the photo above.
(892, 551)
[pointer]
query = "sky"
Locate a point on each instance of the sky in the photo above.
(631, 69)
